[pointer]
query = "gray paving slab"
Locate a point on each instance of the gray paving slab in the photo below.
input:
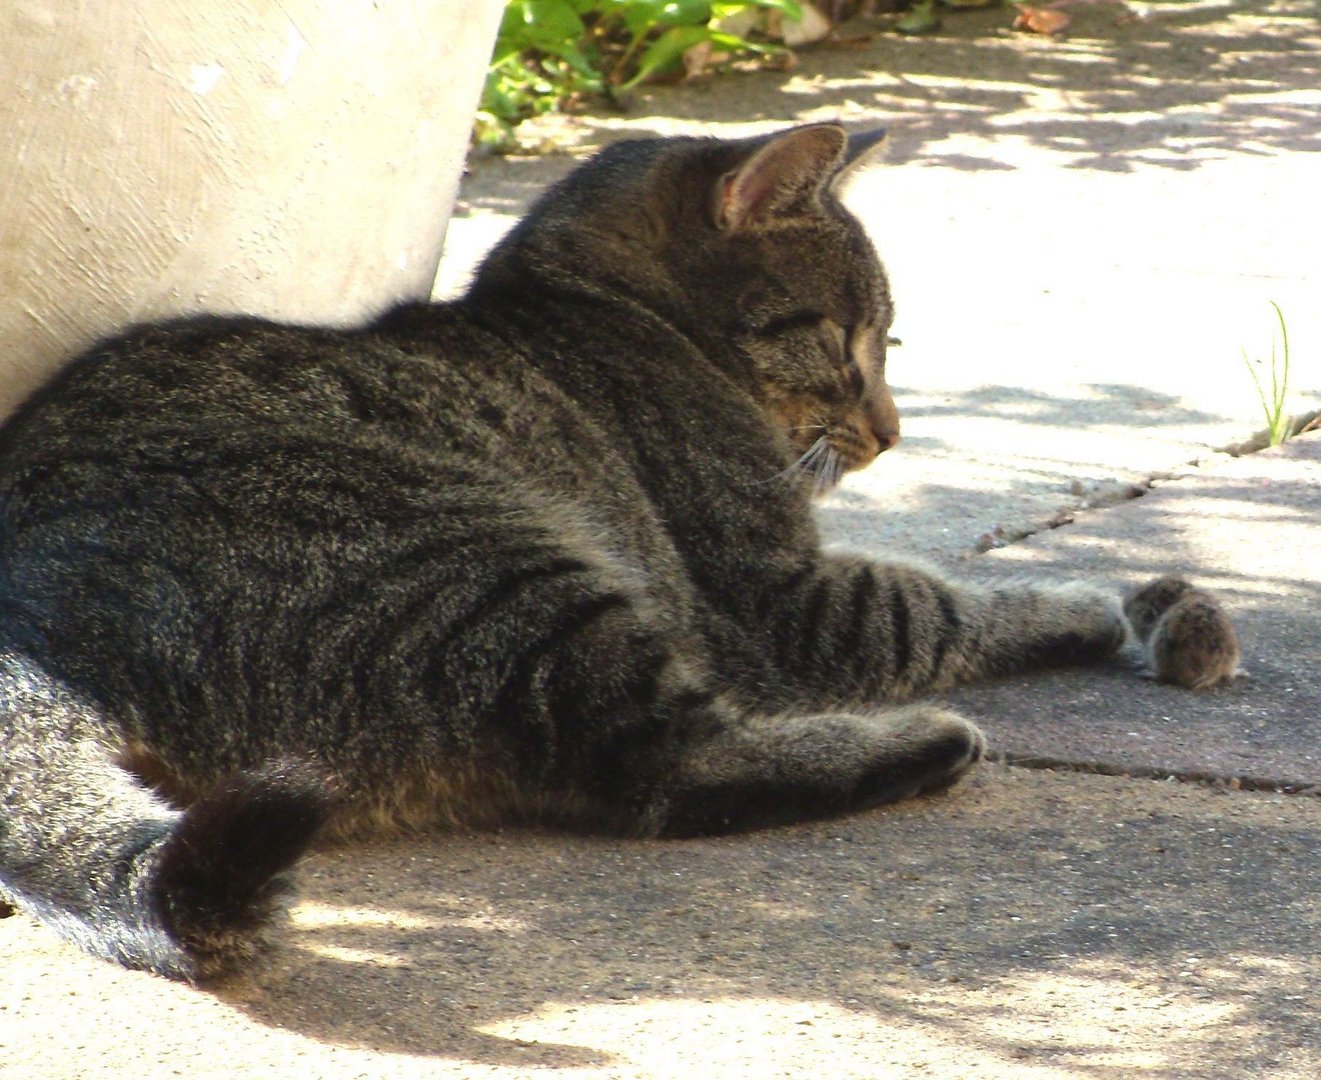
(1248, 529)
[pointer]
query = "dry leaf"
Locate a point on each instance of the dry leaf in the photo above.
(696, 59)
(1040, 20)
(812, 27)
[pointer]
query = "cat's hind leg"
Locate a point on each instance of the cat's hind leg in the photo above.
(103, 861)
(619, 724)
(749, 772)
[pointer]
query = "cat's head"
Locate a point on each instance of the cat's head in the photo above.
(745, 246)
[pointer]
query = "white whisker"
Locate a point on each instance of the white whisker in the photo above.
(827, 474)
(805, 463)
(820, 463)
(814, 453)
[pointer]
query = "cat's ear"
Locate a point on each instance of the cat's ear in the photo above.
(865, 149)
(779, 176)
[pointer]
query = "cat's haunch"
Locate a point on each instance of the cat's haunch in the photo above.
(544, 553)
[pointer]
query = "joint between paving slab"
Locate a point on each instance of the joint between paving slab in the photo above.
(1117, 492)
(1218, 781)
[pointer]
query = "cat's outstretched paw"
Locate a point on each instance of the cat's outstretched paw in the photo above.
(1086, 623)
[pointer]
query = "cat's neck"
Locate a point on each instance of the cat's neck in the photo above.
(632, 321)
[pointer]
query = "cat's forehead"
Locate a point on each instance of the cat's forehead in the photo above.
(828, 265)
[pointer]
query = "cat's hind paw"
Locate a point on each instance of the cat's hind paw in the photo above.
(773, 770)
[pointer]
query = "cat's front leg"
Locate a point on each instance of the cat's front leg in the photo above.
(849, 629)
(1031, 625)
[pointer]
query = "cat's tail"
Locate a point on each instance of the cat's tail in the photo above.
(89, 851)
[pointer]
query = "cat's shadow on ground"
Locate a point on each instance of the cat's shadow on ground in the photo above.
(529, 950)
(433, 945)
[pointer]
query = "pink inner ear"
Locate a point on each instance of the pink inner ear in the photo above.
(778, 175)
(724, 217)
(744, 196)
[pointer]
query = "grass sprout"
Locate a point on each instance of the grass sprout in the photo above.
(1279, 424)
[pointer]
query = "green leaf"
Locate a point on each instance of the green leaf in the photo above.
(733, 43)
(645, 15)
(537, 23)
(590, 77)
(505, 51)
(923, 19)
(667, 50)
(641, 15)
(686, 13)
(732, 7)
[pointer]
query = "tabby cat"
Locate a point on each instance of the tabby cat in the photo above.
(544, 553)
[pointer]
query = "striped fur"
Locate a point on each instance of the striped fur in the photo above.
(544, 553)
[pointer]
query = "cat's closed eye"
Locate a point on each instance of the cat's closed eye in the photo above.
(815, 330)
(784, 325)
(836, 339)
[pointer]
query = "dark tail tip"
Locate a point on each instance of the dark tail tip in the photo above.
(221, 872)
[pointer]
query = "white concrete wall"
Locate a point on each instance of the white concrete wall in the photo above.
(292, 158)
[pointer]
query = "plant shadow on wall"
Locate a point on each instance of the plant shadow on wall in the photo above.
(550, 952)
(1181, 85)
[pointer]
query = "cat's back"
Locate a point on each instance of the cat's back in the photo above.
(218, 373)
(196, 508)
(236, 453)
(248, 404)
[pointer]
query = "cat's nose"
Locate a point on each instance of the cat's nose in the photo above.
(882, 419)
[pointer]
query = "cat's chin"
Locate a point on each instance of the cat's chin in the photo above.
(830, 473)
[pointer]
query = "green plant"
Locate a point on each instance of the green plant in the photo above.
(549, 52)
(1279, 424)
